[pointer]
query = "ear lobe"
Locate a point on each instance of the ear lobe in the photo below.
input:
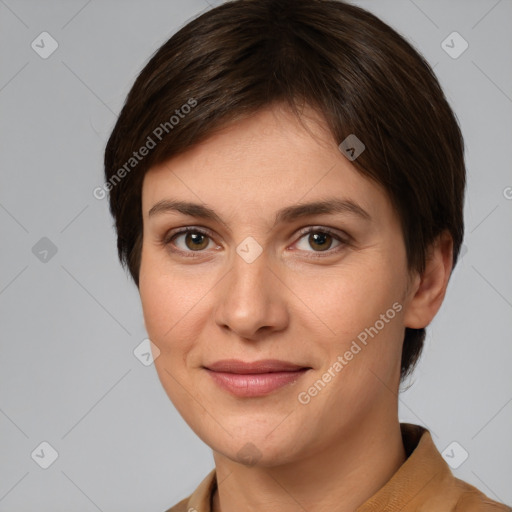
(428, 293)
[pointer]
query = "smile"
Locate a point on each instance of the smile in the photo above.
(254, 379)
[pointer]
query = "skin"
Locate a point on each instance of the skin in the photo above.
(336, 451)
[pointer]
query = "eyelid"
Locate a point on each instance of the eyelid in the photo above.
(343, 239)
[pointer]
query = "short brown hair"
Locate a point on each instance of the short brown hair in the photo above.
(352, 68)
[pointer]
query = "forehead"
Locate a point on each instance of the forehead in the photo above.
(259, 164)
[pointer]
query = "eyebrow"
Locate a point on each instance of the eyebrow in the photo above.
(288, 214)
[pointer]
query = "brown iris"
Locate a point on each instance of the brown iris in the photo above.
(319, 238)
(197, 241)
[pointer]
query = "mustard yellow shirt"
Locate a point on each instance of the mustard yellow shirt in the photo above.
(423, 483)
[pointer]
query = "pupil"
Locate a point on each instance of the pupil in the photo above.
(196, 239)
(319, 239)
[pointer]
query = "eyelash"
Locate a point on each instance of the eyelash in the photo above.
(170, 237)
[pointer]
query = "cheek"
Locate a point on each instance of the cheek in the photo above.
(168, 296)
(360, 307)
(164, 299)
(170, 304)
(361, 360)
(350, 298)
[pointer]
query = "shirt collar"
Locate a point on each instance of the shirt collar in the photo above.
(416, 478)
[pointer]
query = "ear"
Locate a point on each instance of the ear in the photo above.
(427, 290)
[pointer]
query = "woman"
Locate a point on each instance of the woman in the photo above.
(287, 181)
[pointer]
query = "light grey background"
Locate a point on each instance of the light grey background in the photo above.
(69, 325)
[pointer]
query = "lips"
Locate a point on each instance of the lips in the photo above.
(262, 366)
(254, 379)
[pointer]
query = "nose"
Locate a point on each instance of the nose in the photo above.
(252, 299)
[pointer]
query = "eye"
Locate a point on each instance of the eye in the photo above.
(190, 240)
(187, 240)
(320, 239)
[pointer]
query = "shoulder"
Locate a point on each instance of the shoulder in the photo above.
(425, 482)
(473, 500)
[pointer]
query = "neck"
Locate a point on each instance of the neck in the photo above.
(339, 478)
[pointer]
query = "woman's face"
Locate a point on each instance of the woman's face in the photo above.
(325, 291)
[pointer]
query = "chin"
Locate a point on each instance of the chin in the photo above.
(256, 448)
